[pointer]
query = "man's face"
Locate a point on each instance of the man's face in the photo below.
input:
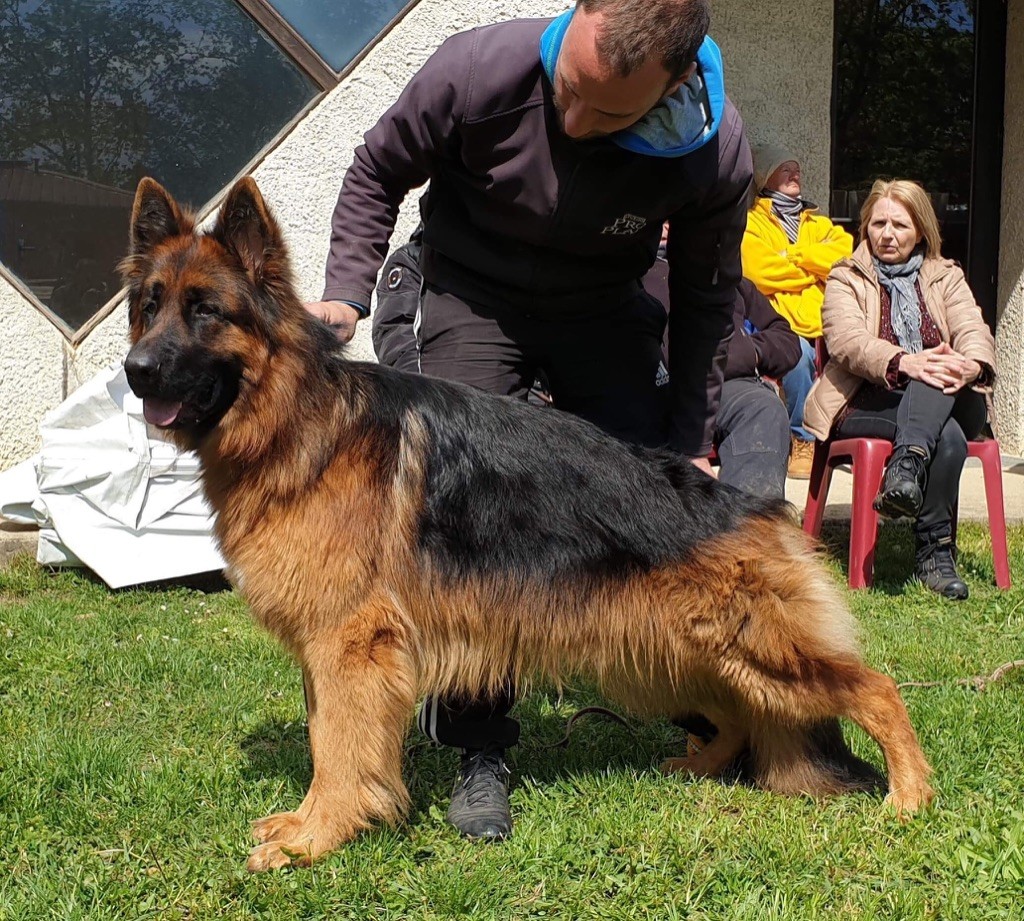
(592, 98)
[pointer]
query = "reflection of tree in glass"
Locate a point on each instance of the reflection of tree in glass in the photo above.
(339, 29)
(109, 90)
(904, 72)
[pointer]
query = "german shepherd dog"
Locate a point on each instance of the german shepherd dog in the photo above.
(402, 535)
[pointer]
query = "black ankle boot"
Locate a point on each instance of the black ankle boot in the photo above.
(902, 490)
(936, 567)
(479, 806)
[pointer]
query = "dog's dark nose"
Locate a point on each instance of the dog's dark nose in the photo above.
(141, 368)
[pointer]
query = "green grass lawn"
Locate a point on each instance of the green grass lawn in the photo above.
(141, 731)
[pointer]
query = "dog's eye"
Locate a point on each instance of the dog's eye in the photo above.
(149, 308)
(203, 309)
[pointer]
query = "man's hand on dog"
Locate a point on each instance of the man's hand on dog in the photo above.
(340, 317)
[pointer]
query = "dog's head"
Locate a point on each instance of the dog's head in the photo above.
(202, 307)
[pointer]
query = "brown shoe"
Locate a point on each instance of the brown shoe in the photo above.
(801, 456)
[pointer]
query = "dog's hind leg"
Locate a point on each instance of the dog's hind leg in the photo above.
(715, 757)
(794, 664)
(783, 733)
(873, 701)
(360, 687)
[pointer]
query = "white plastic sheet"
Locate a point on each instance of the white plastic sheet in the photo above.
(111, 493)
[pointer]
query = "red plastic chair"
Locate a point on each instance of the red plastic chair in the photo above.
(867, 457)
(991, 466)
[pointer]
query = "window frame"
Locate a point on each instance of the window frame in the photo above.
(309, 62)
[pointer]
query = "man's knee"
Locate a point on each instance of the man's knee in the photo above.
(760, 422)
(774, 416)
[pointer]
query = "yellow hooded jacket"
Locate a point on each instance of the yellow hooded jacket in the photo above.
(792, 275)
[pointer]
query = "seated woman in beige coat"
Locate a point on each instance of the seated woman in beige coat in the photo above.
(910, 359)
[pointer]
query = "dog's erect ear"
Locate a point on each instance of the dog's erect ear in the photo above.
(155, 217)
(247, 228)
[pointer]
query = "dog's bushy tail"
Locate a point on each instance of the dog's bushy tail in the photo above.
(797, 653)
(809, 761)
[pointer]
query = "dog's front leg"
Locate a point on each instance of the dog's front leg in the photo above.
(360, 690)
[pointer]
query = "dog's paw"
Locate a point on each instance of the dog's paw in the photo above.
(675, 766)
(296, 843)
(909, 800)
(693, 765)
(277, 827)
(703, 759)
(275, 855)
(694, 746)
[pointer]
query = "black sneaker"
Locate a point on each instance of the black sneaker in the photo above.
(902, 490)
(936, 568)
(479, 806)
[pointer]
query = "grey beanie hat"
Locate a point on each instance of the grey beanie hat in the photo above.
(767, 159)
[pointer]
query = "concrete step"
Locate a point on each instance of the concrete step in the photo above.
(16, 539)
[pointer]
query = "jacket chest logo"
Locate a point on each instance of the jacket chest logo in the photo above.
(627, 224)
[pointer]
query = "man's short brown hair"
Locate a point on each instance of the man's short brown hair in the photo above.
(633, 30)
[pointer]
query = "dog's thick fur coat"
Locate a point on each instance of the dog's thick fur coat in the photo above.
(403, 535)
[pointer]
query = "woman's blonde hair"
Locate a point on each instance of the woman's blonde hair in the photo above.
(915, 199)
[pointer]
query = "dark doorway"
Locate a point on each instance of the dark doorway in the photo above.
(918, 94)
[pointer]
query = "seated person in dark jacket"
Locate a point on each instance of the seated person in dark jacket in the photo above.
(752, 425)
(751, 431)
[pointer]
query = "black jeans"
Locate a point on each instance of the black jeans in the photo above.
(604, 366)
(924, 417)
(752, 438)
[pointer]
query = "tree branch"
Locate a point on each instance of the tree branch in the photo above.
(978, 682)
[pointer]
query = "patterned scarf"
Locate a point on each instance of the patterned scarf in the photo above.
(900, 280)
(788, 210)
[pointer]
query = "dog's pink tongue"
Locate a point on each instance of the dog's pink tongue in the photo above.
(160, 412)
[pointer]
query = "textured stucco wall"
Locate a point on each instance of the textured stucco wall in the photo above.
(1009, 396)
(32, 369)
(301, 178)
(778, 72)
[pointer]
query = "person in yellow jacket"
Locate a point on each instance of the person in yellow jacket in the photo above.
(788, 250)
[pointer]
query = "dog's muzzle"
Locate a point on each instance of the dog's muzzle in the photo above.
(142, 369)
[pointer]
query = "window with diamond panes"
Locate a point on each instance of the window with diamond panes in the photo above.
(95, 94)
